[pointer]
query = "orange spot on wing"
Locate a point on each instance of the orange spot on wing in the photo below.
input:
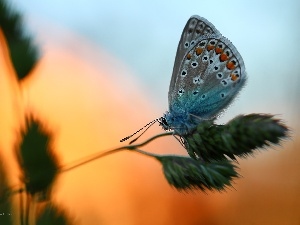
(223, 57)
(189, 56)
(230, 65)
(210, 47)
(218, 50)
(233, 77)
(199, 51)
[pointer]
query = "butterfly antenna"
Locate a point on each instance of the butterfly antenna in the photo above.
(147, 126)
(141, 134)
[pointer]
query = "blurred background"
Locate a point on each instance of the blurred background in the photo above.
(104, 72)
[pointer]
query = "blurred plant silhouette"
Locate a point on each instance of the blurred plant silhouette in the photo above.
(23, 52)
(212, 148)
(239, 137)
(37, 161)
(5, 206)
(52, 214)
(38, 164)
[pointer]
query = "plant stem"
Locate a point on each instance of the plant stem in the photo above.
(109, 152)
(91, 158)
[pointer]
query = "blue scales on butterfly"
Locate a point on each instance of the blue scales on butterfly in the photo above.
(208, 73)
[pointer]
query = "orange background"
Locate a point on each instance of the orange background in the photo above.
(90, 106)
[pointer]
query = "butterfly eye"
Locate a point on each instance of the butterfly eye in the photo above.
(222, 95)
(164, 121)
(186, 44)
(195, 92)
(192, 42)
(203, 96)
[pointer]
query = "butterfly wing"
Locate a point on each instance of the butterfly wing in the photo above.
(210, 74)
(195, 28)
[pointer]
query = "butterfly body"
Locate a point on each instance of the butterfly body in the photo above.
(208, 73)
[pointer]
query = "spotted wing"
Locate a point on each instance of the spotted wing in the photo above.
(209, 77)
(195, 28)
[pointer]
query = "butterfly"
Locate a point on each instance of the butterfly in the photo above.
(208, 74)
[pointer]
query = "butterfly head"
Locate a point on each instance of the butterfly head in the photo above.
(181, 123)
(163, 122)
